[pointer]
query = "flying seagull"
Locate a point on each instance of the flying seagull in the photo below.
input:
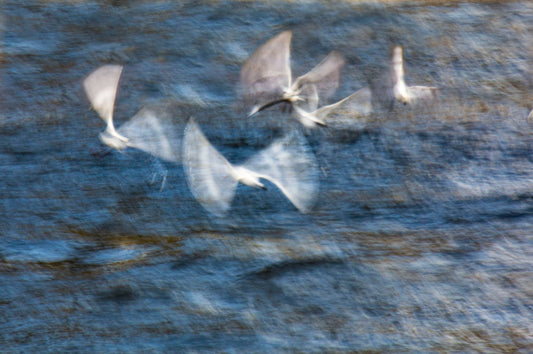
(287, 163)
(266, 77)
(144, 131)
(391, 87)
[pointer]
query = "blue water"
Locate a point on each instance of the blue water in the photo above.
(420, 240)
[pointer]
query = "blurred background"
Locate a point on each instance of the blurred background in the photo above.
(421, 237)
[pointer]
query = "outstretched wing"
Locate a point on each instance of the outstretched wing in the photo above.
(326, 76)
(209, 174)
(267, 72)
(150, 134)
(358, 103)
(421, 93)
(397, 62)
(101, 89)
(292, 167)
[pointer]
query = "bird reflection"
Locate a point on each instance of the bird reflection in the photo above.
(391, 87)
(145, 131)
(266, 78)
(287, 163)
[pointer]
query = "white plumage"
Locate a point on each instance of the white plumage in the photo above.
(287, 163)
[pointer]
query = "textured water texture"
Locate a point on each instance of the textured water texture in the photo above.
(421, 236)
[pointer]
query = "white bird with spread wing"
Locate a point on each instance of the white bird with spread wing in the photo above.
(391, 87)
(266, 78)
(402, 92)
(287, 163)
(144, 131)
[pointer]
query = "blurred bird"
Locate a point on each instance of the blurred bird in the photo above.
(530, 116)
(357, 104)
(287, 163)
(391, 87)
(266, 78)
(144, 131)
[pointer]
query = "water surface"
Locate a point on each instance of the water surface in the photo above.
(421, 237)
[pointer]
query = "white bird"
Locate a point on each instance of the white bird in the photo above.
(266, 78)
(287, 163)
(144, 131)
(358, 104)
(392, 87)
(402, 92)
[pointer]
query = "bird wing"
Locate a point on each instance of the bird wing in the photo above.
(147, 132)
(291, 166)
(101, 89)
(358, 103)
(398, 66)
(208, 173)
(267, 72)
(326, 76)
(417, 93)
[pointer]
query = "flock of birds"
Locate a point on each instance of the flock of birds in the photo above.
(265, 81)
